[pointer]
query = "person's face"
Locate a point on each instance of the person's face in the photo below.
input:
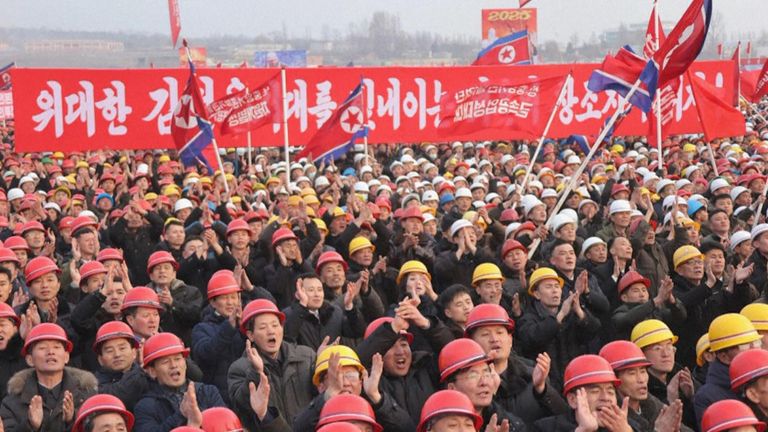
(133, 219)
(413, 226)
(145, 323)
(636, 293)
(338, 224)
(597, 253)
(7, 330)
(117, 355)
(744, 199)
(634, 383)
(720, 223)
(183, 214)
(459, 308)
(45, 288)
(563, 258)
(194, 247)
(256, 227)
(725, 204)
(548, 292)
(496, 341)
(489, 290)
(431, 228)
(364, 257)
(538, 214)
(761, 243)
(108, 422)
(397, 360)
(35, 239)
(267, 333)
(22, 256)
(315, 295)
(416, 282)
(477, 383)
(516, 260)
(661, 355)
(598, 396)
(290, 249)
(463, 203)
(693, 269)
(621, 219)
(757, 392)
(163, 274)
(226, 304)
(89, 243)
(352, 382)
(621, 248)
(5, 287)
(716, 260)
(744, 249)
(453, 423)
(174, 235)
(239, 239)
(48, 356)
(169, 371)
(332, 274)
(567, 232)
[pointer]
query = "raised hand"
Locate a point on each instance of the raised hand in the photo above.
(371, 381)
(614, 418)
(494, 426)
(301, 295)
(353, 289)
(326, 343)
(540, 372)
(253, 356)
(189, 407)
(259, 396)
(35, 412)
(669, 417)
(584, 418)
(68, 407)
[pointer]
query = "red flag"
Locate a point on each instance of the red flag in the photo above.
(187, 110)
(761, 88)
(747, 83)
(720, 50)
(175, 14)
(667, 96)
(718, 118)
(654, 34)
(736, 59)
(249, 110)
(513, 49)
(749, 48)
(523, 106)
(524, 2)
(244, 64)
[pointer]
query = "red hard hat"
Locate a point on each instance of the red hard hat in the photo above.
(141, 297)
(222, 282)
(510, 245)
(623, 354)
(66, 222)
(282, 234)
(412, 212)
(509, 215)
(588, 369)
(40, 266)
(385, 320)
(161, 257)
(338, 427)
(81, 222)
(238, 225)
(729, 414)
(7, 255)
(6, 311)
(488, 315)
(101, 404)
(329, 257)
(254, 215)
(630, 278)
(32, 226)
(384, 202)
(619, 187)
(447, 402)
(747, 366)
(114, 330)
(91, 268)
(46, 331)
(221, 419)
(162, 345)
(348, 407)
(459, 354)
(16, 243)
(109, 254)
(256, 308)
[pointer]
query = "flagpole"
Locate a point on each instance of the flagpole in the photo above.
(213, 138)
(753, 109)
(544, 134)
(577, 175)
(250, 159)
(657, 105)
(285, 123)
(365, 118)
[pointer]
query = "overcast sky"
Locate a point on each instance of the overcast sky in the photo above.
(558, 19)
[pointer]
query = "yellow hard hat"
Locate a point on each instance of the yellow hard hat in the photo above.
(486, 271)
(347, 357)
(308, 192)
(359, 243)
(757, 313)
(58, 155)
(272, 180)
(164, 158)
(413, 266)
(171, 190)
(729, 330)
(427, 209)
(311, 200)
(150, 196)
(684, 254)
(311, 212)
(689, 148)
(81, 164)
(294, 200)
(338, 212)
(651, 331)
(236, 199)
(470, 216)
(702, 346)
(320, 224)
(617, 148)
(540, 274)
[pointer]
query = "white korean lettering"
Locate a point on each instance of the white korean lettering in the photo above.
(113, 108)
(165, 103)
(324, 104)
(50, 102)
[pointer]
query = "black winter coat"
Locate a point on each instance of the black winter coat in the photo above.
(215, 346)
(129, 387)
(308, 329)
(11, 362)
(158, 410)
(137, 245)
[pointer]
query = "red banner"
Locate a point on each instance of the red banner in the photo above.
(130, 109)
(6, 104)
(175, 15)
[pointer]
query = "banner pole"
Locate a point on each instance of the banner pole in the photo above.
(285, 124)
(544, 134)
(753, 109)
(577, 175)
(250, 147)
(365, 118)
(657, 105)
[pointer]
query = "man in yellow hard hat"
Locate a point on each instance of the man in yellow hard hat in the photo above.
(487, 282)
(692, 288)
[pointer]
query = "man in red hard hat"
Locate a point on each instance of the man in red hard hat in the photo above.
(182, 301)
(590, 389)
(11, 342)
(749, 379)
(172, 400)
(287, 265)
(42, 276)
(449, 411)
(46, 396)
(103, 413)
(119, 372)
(85, 247)
(332, 267)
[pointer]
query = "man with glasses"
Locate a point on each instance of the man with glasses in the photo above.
(729, 334)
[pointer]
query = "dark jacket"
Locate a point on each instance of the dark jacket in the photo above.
(185, 310)
(137, 245)
(129, 386)
(388, 413)
(290, 381)
(11, 362)
(516, 393)
(450, 270)
(281, 280)
(86, 318)
(215, 346)
(308, 329)
(23, 386)
(694, 298)
(515, 423)
(158, 410)
(626, 316)
(717, 388)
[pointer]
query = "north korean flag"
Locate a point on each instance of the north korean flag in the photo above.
(513, 49)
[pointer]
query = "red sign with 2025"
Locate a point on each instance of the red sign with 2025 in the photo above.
(131, 109)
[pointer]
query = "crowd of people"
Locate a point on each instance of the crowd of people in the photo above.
(432, 287)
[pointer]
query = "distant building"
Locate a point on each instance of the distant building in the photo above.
(74, 45)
